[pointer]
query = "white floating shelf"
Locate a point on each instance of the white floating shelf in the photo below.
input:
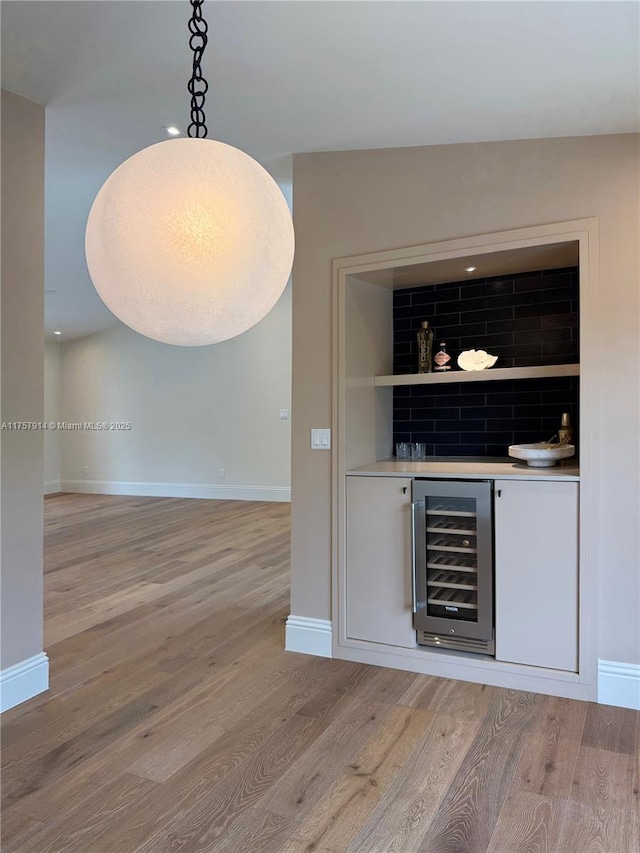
(489, 375)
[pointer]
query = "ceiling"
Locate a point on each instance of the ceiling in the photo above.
(301, 76)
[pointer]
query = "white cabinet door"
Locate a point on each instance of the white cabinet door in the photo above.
(378, 560)
(536, 541)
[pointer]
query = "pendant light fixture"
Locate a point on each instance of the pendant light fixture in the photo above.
(190, 241)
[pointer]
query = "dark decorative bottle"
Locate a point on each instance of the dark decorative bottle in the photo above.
(425, 347)
(442, 358)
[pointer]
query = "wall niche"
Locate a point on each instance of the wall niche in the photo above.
(526, 319)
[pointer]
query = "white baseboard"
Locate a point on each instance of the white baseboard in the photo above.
(619, 684)
(309, 636)
(215, 491)
(23, 680)
(51, 487)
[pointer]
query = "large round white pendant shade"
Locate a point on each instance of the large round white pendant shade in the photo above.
(190, 242)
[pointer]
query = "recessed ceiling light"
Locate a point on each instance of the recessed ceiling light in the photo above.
(171, 130)
(57, 333)
(470, 269)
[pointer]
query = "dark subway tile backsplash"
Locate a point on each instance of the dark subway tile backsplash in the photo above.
(529, 319)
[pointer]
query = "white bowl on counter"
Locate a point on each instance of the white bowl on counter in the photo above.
(541, 455)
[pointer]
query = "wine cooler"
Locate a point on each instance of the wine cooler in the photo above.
(453, 564)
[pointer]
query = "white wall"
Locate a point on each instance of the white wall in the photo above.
(193, 410)
(24, 668)
(353, 202)
(52, 400)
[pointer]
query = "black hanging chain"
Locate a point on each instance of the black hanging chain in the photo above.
(197, 85)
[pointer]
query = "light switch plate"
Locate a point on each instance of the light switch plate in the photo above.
(321, 439)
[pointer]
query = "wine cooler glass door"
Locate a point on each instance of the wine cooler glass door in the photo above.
(454, 558)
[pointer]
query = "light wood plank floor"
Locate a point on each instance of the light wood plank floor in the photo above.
(176, 722)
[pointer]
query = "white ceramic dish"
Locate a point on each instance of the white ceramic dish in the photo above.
(476, 359)
(540, 455)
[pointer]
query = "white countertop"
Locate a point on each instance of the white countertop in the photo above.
(470, 469)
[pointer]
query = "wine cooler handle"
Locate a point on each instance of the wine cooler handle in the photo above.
(414, 599)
